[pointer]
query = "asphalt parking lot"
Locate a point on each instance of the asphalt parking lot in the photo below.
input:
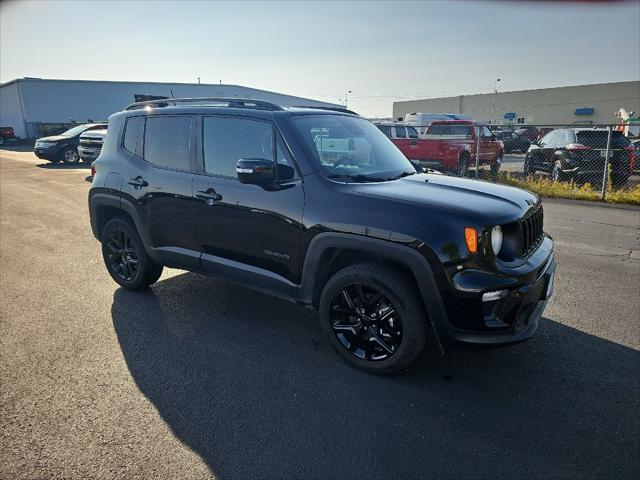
(195, 378)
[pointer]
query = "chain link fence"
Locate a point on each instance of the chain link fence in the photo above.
(574, 161)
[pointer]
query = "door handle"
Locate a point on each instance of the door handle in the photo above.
(138, 182)
(209, 196)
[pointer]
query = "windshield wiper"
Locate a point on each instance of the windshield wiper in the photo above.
(401, 175)
(360, 177)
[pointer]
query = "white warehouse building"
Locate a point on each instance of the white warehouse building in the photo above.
(35, 107)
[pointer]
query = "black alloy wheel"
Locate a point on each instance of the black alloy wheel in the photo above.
(122, 255)
(366, 322)
(373, 315)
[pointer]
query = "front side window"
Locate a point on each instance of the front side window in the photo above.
(167, 141)
(412, 132)
(226, 140)
(486, 132)
(352, 147)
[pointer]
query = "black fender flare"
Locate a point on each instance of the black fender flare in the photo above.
(98, 200)
(402, 254)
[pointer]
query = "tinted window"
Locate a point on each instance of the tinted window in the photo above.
(598, 139)
(460, 131)
(401, 132)
(412, 132)
(286, 170)
(386, 129)
(131, 134)
(166, 141)
(226, 140)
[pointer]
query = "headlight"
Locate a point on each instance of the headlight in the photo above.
(496, 239)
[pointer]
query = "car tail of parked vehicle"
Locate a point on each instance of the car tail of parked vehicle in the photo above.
(6, 133)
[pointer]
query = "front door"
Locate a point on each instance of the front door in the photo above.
(247, 229)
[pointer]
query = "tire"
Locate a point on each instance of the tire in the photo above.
(1, 141)
(495, 166)
(125, 257)
(556, 171)
(398, 309)
(463, 164)
(70, 155)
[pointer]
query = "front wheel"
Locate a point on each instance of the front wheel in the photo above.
(556, 171)
(70, 155)
(373, 315)
(462, 165)
(125, 257)
(1, 141)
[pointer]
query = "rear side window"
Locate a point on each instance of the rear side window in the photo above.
(131, 130)
(598, 139)
(401, 132)
(412, 132)
(167, 142)
(226, 140)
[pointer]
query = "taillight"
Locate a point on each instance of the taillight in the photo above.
(576, 146)
(632, 156)
(93, 170)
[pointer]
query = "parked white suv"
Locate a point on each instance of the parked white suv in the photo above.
(91, 144)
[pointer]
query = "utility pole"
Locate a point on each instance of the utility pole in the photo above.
(345, 98)
(198, 80)
(493, 99)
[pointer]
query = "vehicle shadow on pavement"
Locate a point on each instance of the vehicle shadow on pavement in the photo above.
(249, 383)
(65, 166)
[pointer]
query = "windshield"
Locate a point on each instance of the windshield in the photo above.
(72, 132)
(350, 147)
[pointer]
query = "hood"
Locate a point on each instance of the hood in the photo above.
(94, 134)
(486, 202)
(53, 138)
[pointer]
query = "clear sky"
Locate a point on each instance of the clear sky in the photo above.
(382, 51)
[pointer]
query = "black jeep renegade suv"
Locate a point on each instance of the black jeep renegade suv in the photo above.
(319, 207)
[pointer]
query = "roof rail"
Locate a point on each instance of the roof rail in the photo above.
(332, 109)
(230, 102)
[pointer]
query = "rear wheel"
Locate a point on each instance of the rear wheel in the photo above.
(373, 315)
(70, 155)
(463, 164)
(125, 257)
(495, 166)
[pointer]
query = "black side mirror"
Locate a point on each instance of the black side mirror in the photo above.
(255, 171)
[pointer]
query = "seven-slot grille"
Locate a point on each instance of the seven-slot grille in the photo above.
(531, 230)
(91, 141)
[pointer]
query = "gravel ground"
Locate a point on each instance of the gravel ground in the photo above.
(196, 378)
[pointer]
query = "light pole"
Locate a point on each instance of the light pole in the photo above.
(345, 98)
(493, 99)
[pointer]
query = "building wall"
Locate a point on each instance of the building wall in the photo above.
(71, 101)
(11, 110)
(548, 105)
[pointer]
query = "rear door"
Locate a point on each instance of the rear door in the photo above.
(158, 183)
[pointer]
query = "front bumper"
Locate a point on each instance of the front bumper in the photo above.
(513, 317)
(47, 153)
(88, 153)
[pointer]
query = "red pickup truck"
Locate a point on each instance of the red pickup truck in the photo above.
(448, 145)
